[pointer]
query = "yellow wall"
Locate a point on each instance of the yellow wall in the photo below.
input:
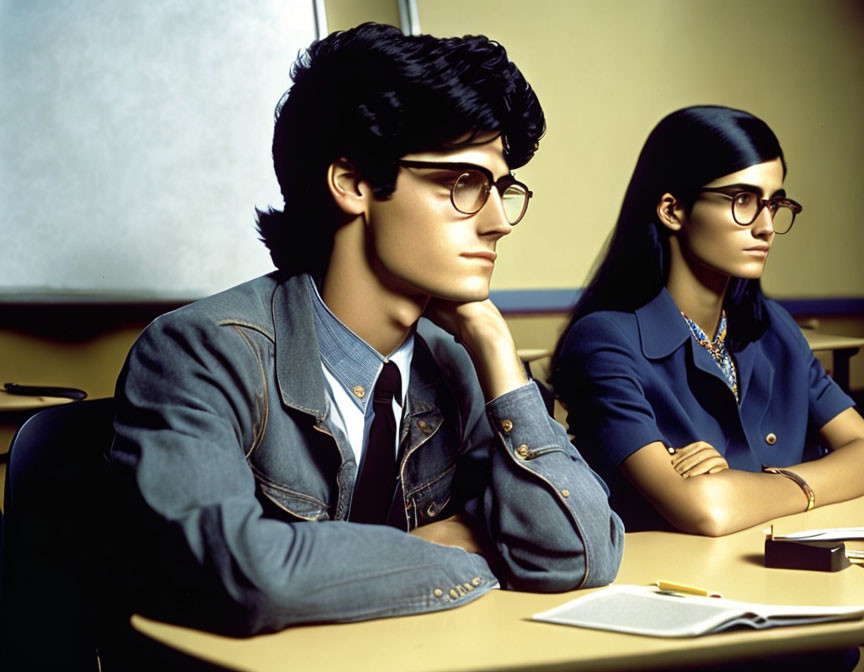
(607, 70)
(343, 14)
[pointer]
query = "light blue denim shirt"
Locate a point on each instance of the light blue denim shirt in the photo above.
(351, 368)
(238, 484)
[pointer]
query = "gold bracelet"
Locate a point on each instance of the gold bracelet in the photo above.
(811, 496)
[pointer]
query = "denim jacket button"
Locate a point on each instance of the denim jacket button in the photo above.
(565, 493)
(454, 594)
(476, 581)
(507, 426)
(438, 592)
(359, 391)
(523, 451)
(432, 510)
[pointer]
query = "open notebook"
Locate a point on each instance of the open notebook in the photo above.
(828, 534)
(644, 610)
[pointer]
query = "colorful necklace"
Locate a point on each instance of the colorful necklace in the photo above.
(718, 350)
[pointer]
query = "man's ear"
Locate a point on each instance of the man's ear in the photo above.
(349, 191)
(670, 212)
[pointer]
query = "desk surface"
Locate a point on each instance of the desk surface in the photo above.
(816, 340)
(18, 402)
(495, 632)
(819, 341)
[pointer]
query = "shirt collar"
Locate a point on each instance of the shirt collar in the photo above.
(351, 360)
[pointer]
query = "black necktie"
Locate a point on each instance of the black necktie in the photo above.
(373, 492)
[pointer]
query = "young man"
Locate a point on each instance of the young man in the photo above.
(263, 488)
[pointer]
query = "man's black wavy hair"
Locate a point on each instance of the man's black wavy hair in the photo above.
(371, 95)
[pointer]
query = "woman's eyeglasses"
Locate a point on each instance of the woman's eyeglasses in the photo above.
(747, 205)
(473, 184)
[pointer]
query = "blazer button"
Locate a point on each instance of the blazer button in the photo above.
(771, 439)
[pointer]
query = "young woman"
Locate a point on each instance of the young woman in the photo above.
(685, 386)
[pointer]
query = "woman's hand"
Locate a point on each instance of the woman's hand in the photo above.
(698, 458)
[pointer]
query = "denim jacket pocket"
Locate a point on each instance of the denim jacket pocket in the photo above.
(297, 504)
(430, 499)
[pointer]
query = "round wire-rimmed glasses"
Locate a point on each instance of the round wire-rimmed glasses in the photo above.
(747, 205)
(473, 184)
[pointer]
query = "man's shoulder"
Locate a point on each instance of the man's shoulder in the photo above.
(248, 304)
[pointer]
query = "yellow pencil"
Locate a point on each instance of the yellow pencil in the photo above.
(675, 587)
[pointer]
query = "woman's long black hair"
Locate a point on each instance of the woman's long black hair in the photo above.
(685, 151)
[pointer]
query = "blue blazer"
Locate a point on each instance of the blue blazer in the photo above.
(632, 378)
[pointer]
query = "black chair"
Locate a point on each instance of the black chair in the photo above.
(52, 558)
(61, 605)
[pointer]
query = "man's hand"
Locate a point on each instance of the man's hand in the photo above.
(459, 530)
(698, 458)
(481, 329)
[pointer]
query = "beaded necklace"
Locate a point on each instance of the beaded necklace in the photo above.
(718, 350)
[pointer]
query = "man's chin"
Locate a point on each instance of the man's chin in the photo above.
(464, 296)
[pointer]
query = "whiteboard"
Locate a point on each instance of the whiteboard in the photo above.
(135, 143)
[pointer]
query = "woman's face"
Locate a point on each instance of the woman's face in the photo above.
(710, 236)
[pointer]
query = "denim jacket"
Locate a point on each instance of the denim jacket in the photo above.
(239, 483)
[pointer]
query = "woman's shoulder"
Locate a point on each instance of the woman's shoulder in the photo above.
(598, 336)
(603, 325)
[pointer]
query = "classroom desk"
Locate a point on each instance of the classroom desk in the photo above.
(495, 633)
(17, 402)
(842, 349)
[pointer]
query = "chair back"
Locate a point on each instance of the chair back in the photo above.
(52, 537)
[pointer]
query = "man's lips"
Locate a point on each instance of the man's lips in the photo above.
(482, 254)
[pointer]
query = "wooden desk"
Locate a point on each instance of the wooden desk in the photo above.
(842, 349)
(495, 633)
(17, 402)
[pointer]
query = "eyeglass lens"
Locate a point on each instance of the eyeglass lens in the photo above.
(746, 207)
(471, 191)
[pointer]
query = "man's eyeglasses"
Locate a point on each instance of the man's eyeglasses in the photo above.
(473, 184)
(746, 207)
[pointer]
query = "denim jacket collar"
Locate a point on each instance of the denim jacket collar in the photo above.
(298, 355)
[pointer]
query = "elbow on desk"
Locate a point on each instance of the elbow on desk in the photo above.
(596, 565)
(707, 515)
(707, 526)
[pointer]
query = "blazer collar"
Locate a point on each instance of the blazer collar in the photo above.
(662, 330)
